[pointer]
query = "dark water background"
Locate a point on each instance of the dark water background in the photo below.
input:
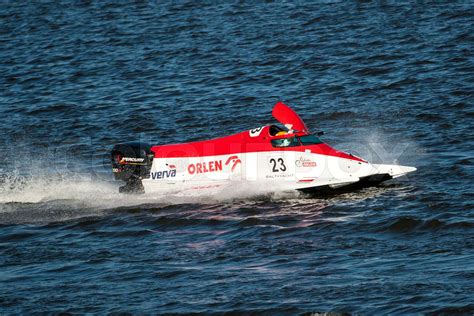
(390, 81)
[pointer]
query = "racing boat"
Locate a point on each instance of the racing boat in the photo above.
(268, 159)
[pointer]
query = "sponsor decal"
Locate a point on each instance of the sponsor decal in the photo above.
(125, 160)
(204, 167)
(280, 176)
(305, 162)
(165, 173)
(235, 160)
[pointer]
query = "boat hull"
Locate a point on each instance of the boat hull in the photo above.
(264, 172)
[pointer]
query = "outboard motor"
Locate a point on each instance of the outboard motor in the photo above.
(131, 162)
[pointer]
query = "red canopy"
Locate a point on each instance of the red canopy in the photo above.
(285, 115)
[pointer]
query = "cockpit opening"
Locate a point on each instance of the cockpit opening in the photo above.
(274, 130)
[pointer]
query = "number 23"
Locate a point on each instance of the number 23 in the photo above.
(281, 163)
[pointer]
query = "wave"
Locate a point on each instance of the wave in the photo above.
(408, 224)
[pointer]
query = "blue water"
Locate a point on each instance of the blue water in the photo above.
(391, 82)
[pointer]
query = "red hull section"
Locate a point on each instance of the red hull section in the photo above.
(257, 140)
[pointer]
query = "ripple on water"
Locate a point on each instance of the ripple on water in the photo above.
(387, 80)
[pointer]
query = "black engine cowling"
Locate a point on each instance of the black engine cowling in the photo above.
(131, 162)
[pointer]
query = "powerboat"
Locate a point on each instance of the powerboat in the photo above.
(265, 159)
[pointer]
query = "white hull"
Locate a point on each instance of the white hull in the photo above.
(261, 172)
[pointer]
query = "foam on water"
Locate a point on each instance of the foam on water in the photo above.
(54, 197)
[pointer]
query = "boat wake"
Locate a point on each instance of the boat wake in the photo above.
(45, 198)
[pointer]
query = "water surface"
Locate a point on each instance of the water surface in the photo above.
(387, 81)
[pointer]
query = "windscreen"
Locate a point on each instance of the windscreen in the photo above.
(310, 140)
(285, 142)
